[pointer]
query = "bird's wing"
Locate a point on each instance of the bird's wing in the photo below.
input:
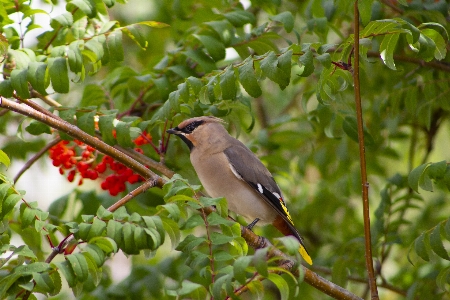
(250, 169)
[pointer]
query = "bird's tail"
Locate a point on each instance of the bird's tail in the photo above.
(287, 228)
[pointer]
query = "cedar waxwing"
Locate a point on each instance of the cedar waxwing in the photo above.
(227, 168)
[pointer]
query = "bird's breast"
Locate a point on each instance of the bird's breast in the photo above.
(218, 180)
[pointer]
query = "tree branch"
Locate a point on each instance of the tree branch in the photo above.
(362, 157)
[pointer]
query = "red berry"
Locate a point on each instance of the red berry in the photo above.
(71, 176)
(101, 167)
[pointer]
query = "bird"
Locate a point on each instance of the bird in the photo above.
(227, 168)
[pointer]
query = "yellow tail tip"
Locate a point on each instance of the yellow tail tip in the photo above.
(305, 255)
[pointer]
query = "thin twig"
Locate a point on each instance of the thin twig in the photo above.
(362, 157)
(31, 161)
(142, 188)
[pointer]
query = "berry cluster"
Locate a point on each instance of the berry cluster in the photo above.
(75, 157)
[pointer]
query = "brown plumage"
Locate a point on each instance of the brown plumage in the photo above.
(227, 168)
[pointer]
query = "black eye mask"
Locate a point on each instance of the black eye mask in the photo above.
(192, 126)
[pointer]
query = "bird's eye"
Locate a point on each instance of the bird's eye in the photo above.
(191, 127)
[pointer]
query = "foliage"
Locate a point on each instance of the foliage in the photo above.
(280, 73)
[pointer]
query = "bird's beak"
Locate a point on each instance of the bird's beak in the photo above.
(173, 131)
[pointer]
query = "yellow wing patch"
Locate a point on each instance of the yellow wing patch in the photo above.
(286, 211)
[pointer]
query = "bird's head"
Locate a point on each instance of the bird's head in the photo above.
(198, 130)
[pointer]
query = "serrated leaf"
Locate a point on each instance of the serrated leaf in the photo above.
(436, 243)
(247, 78)
(228, 84)
(306, 60)
(286, 18)
(269, 68)
(96, 254)
(66, 269)
(420, 246)
(387, 49)
(59, 75)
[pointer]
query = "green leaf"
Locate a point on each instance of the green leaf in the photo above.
(86, 6)
(286, 18)
(106, 126)
(437, 170)
(38, 77)
(240, 17)
(96, 253)
(189, 243)
(79, 266)
(6, 88)
(306, 61)
(75, 56)
(365, 10)
(123, 134)
(203, 60)
(215, 48)
(4, 159)
(154, 24)
(281, 284)
(228, 84)
(59, 75)
(85, 121)
(436, 243)
(65, 268)
(415, 176)
(260, 261)
(20, 84)
(247, 78)
(37, 128)
(239, 268)
(387, 49)
(194, 221)
(420, 246)
(114, 44)
(9, 203)
(220, 239)
(269, 68)
(135, 32)
(441, 51)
